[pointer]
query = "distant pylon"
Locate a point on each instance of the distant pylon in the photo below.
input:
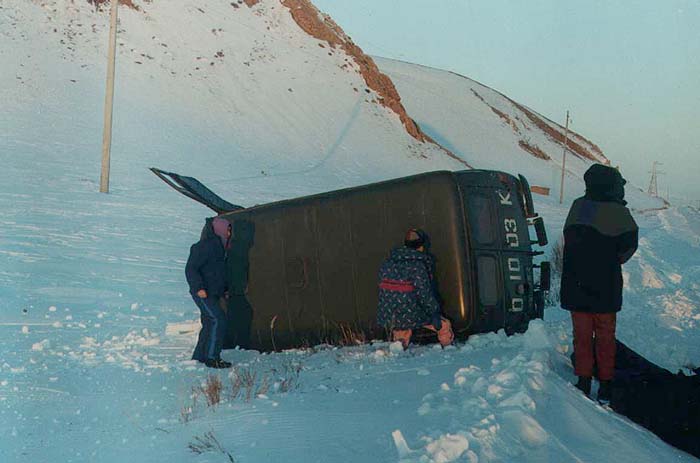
(653, 183)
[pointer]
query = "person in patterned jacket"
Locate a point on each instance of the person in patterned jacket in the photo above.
(406, 296)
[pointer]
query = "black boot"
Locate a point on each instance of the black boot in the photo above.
(217, 363)
(605, 392)
(584, 384)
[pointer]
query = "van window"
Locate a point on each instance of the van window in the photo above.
(488, 280)
(481, 219)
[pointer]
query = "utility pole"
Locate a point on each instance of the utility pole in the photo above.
(109, 99)
(563, 161)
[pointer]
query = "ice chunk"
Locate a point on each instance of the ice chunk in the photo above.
(526, 428)
(183, 329)
(40, 346)
(447, 448)
(396, 348)
(508, 378)
(494, 390)
(519, 400)
(400, 443)
(535, 337)
(424, 409)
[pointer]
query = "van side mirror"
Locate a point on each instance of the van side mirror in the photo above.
(541, 232)
(545, 276)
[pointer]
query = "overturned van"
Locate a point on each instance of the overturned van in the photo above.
(304, 271)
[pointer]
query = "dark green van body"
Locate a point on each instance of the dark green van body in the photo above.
(308, 266)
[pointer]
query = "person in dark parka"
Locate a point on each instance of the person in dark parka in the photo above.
(599, 236)
(406, 295)
(206, 277)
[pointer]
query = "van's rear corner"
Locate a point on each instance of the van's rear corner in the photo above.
(499, 213)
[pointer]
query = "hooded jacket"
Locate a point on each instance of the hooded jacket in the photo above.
(406, 296)
(206, 265)
(599, 236)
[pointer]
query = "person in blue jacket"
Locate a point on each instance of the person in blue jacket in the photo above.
(206, 277)
(407, 299)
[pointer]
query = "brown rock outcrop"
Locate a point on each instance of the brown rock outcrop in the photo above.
(558, 136)
(506, 118)
(322, 27)
(534, 150)
(128, 3)
(593, 152)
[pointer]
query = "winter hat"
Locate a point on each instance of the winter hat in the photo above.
(415, 238)
(221, 227)
(604, 183)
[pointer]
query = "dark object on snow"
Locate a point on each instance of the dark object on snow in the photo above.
(653, 397)
(217, 363)
(666, 404)
(307, 267)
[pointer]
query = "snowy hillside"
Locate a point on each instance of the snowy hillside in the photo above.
(486, 127)
(244, 93)
(96, 326)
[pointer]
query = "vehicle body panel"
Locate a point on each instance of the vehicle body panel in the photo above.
(308, 266)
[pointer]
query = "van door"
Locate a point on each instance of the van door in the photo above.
(515, 258)
(502, 268)
(194, 189)
(482, 221)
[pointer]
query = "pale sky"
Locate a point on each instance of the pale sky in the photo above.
(628, 71)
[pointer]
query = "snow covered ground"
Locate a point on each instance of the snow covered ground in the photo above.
(96, 326)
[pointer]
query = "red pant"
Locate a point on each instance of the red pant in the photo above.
(602, 326)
